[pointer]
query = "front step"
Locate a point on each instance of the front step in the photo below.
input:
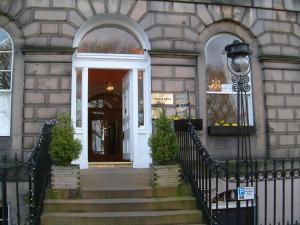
(110, 164)
(124, 218)
(118, 205)
(88, 193)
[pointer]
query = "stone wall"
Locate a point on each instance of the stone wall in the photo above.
(47, 92)
(171, 74)
(176, 28)
(169, 25)
(282, 88)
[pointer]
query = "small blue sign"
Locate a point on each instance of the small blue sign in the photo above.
(245, 193)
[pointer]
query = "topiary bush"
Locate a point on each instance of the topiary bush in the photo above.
(163, 144)
(64, 148)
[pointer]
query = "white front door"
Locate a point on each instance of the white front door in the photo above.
(126, 116)
(135, 134)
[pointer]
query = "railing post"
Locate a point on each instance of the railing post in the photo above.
(4, 195)
(31, 209)
(17, 189)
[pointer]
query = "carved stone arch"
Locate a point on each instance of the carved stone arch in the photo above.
(231, 27)
(13, 30)
(112, 19)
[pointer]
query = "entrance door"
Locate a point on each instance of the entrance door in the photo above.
(105, 128)
(126, 115)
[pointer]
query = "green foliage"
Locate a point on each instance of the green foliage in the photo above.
(164, 148)
(64, 148)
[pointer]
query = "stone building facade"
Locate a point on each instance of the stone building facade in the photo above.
(43, 34)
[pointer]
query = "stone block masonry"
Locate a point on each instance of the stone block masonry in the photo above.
(171, 26)
(47, 93)
(283, 103)
(175, 75)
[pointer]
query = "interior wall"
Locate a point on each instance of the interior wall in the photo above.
(100, 78)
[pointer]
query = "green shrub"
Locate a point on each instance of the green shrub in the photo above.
(64, 148)
(164, 148)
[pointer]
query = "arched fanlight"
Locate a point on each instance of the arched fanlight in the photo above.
(238, 60)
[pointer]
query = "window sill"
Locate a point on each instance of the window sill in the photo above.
(230, 130)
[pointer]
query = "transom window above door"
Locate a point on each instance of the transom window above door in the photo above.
(110, 40)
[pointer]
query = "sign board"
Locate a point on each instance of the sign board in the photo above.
(245, 193)
(182, 102)
(162, 99)
(227, 88)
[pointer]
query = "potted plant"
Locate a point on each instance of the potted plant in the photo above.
(64, 148)
(164, 171)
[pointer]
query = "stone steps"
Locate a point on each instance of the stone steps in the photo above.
(89, 193)
(122, 218)
(118, 205)
(120, 196)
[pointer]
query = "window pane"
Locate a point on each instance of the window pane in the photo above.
(5, 61)
(141, 97)
(98, 130)
(218, 75)
(222, 109)
(217, 80)
(5, 80)
(5, 42)
(78, 98)
(4, 122)
(4, 100)
(4, 113)
(110, 40)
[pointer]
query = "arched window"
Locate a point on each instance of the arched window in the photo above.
(110, 40)
(221, 100)
(6, 70)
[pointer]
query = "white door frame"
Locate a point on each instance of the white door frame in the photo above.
(140, 149)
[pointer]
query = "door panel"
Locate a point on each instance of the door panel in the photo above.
(105, 128)
(126, 116)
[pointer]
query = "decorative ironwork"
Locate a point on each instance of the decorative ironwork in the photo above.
(276, 183)
(39, 170)
(238, 62)
(36, 171)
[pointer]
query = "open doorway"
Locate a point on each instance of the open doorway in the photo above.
(105, 137)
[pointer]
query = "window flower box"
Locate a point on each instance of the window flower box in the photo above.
(182, 124)
(230, 130)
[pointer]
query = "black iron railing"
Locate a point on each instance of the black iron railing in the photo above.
(12, 174)
(39, 170)
(36, 173)
(275, 182)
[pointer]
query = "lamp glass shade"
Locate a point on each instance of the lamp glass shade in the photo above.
(240, 64)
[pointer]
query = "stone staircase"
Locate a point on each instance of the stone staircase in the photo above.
(124, 198)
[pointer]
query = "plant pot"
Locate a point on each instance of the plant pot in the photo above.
(65, 177)
(165, 175)
(182, 124)
(230, 130)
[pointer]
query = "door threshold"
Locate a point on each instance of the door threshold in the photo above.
(120, 164)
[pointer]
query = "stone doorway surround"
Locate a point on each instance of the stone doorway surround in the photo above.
(140, 155)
